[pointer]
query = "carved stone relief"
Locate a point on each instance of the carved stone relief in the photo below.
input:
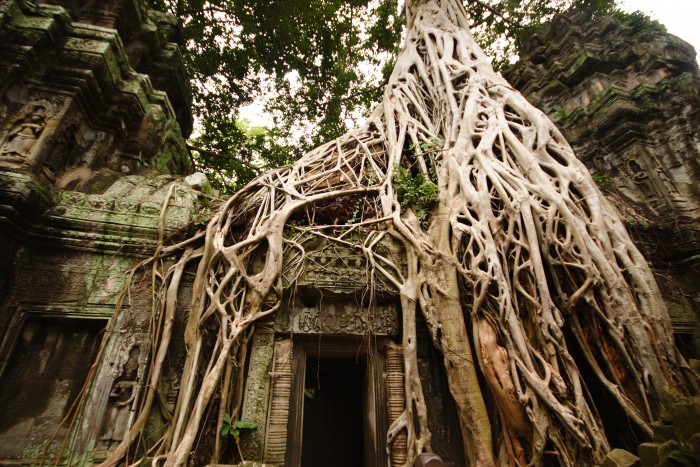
(255, 402)
(23, 135)
(26, 133)
(121, 402)
(346, 318)
(276, 433)
(338, 268)
(396, 401)
(51, 136)
(63, 152)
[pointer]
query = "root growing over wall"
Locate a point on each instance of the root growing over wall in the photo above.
(522, 272)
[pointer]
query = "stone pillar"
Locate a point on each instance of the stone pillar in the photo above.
(396, 400)
(257, 390)
(276, 433)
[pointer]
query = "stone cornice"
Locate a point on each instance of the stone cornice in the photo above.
(122, 221)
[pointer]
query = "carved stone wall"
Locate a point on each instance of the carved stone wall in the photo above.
(626, 95)
(75, 112)
(94, 111)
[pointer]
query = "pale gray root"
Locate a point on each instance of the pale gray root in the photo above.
(519, 250)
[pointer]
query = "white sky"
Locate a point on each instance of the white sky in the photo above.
(681, 17)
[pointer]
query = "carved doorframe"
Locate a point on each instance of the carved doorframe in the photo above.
(11, 334)
(8, 340)
(374, 399)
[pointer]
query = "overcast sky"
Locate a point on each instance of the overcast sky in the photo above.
(681, 17)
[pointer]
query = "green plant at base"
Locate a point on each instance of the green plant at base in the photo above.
(233, 428)
(201, 218)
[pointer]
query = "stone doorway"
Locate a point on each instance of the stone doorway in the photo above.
(333, 407)
(337, 404)
(46, 370)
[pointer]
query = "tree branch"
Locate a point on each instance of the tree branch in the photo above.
(495, 12)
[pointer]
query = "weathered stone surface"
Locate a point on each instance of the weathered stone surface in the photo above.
(649, 454)
(336, 268)
(620, 458)
(256, 399)
(339, 317)
(662, 431)
(627, 98)
(685, 418)
(89, 150)
(40, 382)
(86, 113)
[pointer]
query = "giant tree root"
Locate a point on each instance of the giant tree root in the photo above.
(518, 252)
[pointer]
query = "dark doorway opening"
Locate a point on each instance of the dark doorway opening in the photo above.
(333, 413)
(47, 369)
(686, 344)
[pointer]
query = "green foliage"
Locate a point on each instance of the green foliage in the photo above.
(231, 153)
(639, 21)
(559, 115)
(426, 147)
(416, 191)
(507, 24)
(202, 216)
(231, 428)
(315, 63)
(602, 180)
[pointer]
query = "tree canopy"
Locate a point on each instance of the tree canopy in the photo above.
(317, 65)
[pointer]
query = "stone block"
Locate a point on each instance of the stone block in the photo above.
(620, 458)
(662, 431)
(429, 460)
(695, 443)
(685, 416)
(649, 454)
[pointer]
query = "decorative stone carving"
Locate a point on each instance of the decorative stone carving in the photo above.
(121, 402)
(63, 152)
(339, 269)
(344, 318)
(396, 400)
(257, 391)
(78, 110)
(281, 375)
(23, 134)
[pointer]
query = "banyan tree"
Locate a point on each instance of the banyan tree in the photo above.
(525, 277)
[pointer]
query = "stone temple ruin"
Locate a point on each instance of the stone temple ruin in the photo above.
(94, 112)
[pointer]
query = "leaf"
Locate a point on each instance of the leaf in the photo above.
(227, 419)
(225, 430)
(244, 424)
